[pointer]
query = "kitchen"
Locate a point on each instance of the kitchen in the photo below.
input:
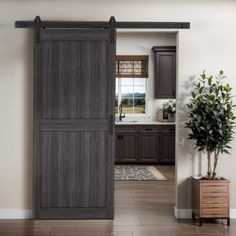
(145, 81)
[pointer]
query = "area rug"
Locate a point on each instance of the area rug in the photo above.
(135, 172)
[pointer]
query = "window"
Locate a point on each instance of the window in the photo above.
(131, 77)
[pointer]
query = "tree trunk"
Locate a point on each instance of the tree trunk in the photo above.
(209, 171)
(216, 156)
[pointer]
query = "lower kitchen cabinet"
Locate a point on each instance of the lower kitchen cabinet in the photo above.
(168, 147)
(128, 144)
(145, 144)
(149, 147)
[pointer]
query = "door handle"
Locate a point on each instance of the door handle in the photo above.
(111, 124)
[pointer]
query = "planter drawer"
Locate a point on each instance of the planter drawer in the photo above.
(206, 189)
(214, 200)
(215, 212)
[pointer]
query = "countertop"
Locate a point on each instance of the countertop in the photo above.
(143, 122)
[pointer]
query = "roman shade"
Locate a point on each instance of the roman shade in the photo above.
(132, 66)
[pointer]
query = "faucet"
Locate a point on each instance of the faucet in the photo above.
(121, 116)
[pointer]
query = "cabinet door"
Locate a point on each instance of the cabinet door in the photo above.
(168, 147)
(149, 148)
(128, 148)
(165, 74)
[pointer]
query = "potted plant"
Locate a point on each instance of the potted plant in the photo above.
(211, 122)
(169, 108)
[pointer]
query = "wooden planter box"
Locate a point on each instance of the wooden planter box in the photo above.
(210, 199)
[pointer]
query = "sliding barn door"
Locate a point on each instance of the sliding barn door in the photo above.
(74, 124)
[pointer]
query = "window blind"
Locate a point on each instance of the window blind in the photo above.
(132, 66)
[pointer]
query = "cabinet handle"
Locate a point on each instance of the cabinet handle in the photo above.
(167, 130)
(148, 129)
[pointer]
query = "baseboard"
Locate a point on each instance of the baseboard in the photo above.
(183, 213)
(187, 213)
(28, 214)
(233, 213)
(16, 214)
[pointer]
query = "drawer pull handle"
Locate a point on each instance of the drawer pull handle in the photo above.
(148, 129)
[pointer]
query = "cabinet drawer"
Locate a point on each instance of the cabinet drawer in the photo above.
(214, 200)
(168, 128)
(220, 189)
(215, 212)
(149, 129)
(126, 128)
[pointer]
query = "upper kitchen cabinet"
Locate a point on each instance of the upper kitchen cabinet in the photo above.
(165, 71)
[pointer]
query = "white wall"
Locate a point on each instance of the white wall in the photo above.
(141, 43)
(209, 44)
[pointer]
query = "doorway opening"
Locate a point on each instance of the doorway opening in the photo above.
(144, 137)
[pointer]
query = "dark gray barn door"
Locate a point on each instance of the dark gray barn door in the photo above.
(74, 124)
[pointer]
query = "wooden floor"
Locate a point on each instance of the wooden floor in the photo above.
(141, 209)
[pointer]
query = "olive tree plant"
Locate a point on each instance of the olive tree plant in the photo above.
(211, 118)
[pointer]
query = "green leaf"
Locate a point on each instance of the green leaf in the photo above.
(193, 95)
(226, 151)
(215, 112)
(199, 119)
(200, 90)
(209, 80)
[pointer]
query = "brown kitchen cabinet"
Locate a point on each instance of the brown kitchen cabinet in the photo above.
(149, 147)
(145, 144)
(165, 72)
(149, 143)
(168, 144)
(128, 148)
(126, 144)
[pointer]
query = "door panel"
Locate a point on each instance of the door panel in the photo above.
(165, 82)
(69, 86)
(65, 156)
(165, 74)
(74, 124)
